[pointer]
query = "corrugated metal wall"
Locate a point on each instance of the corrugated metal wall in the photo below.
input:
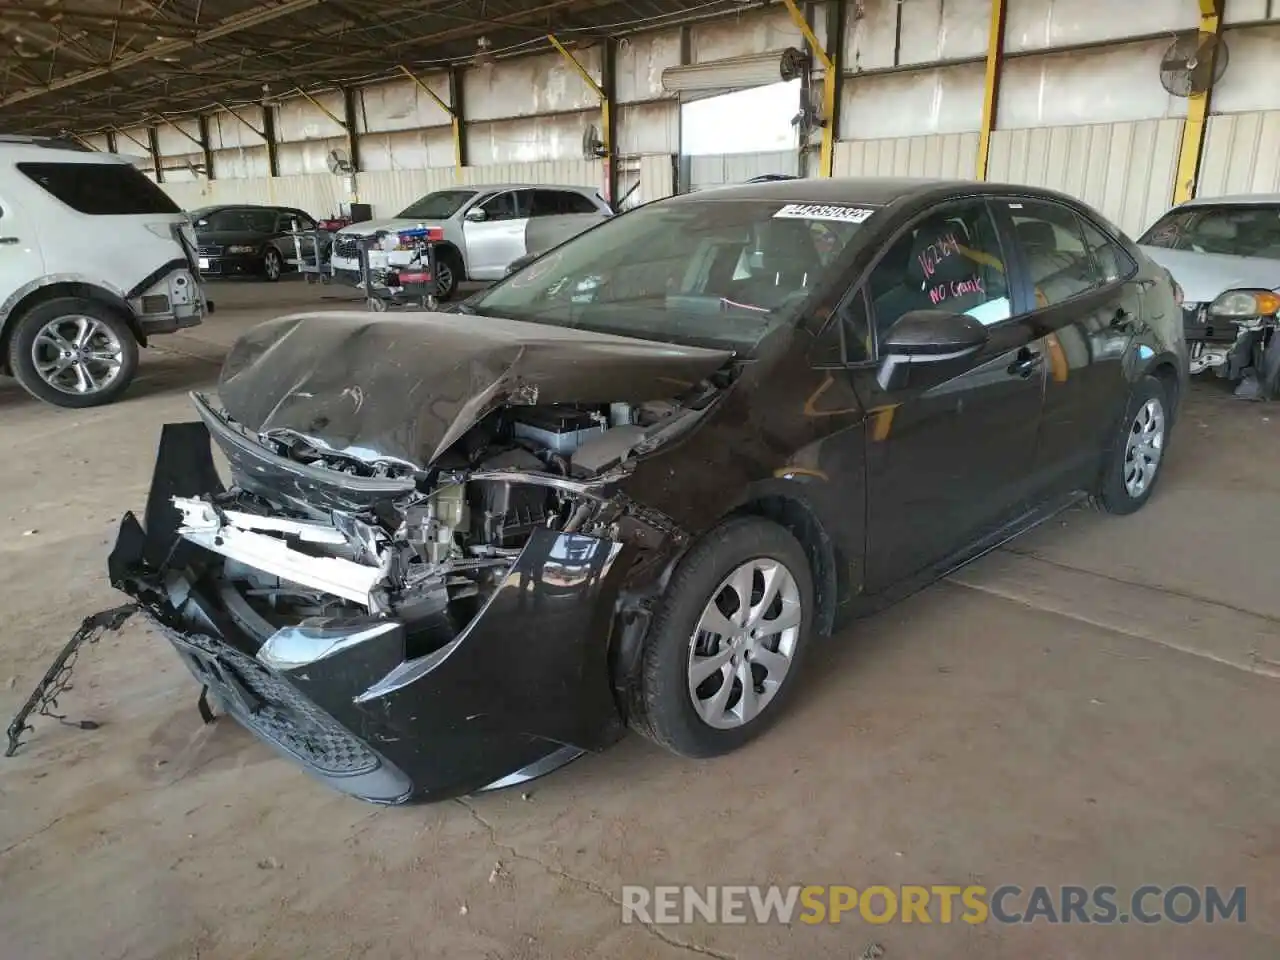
(717, 169)
(948, 156)
(1126, 170)
(1241, 154)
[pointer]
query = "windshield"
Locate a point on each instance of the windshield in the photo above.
(236, 220)
(436, 206)
(718, 273)
(1247, 230)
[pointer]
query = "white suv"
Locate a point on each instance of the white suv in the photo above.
(94, 259)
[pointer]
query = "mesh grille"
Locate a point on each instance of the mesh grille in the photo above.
(286, 717)
(346, 247)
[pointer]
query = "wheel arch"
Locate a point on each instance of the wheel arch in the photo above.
(78, 289)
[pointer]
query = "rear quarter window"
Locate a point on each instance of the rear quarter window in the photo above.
(100, 189)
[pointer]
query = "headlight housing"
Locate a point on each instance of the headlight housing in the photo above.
(1245, 304)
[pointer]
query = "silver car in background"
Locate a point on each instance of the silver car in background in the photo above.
(484, 229)
(1224, 254)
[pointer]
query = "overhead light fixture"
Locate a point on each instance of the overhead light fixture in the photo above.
(484, 55)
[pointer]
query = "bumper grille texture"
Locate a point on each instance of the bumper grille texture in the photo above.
(285, 716)
(346, 247)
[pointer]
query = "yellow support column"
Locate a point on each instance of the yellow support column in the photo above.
(1184, 188)
(830, 82)
(991, 87)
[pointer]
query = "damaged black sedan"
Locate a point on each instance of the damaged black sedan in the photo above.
(632, 483)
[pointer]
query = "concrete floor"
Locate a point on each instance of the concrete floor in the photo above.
(1097, 704)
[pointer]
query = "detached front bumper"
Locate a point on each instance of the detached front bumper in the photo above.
(412, 706)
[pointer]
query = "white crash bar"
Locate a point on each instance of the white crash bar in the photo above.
(236, 540)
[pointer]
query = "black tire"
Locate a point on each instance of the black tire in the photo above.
(29, 325)
(272, 264)
(662, 707)
(451, 262)
(1114, 494)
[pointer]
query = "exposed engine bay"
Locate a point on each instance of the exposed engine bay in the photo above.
(448, 539)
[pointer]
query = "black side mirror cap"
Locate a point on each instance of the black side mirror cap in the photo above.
(928, 338)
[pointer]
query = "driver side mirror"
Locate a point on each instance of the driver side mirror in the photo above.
(475, 215)
(926, 347)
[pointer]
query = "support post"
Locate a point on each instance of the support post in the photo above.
(830, 84)
(112, 146)
(1184, 188)
(203, 123)
(269, 135)
(609, 117)
(991, 85)
(459, 113)
(606, 103)
(349, 95)
(153, 143)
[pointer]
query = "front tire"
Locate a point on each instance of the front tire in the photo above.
(272, 264)
(449, 273)
(727, 642)
(73, 352)
(1137, 454)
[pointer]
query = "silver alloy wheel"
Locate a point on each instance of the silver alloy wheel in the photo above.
(444, 278)
(273, 265)
(1143, 448)
(744, 643)
(77, 354)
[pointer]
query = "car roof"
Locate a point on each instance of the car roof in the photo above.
(484, 187)
(48, 150)
(874, 191)
(1235, 199)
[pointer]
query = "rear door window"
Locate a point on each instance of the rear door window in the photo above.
(100, 189)
(1052, 242)
(1239, 230)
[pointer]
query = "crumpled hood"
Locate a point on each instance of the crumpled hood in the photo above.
(1203, 276)
(406, 386)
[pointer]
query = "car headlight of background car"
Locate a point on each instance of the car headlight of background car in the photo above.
(242, 248)
(1245, 304)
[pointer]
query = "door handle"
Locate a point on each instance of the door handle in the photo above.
(1026, 363)
(9, 240)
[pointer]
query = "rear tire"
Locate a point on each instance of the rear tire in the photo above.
(272, 264)
(1136, 458)
(73, 352)
(691, 690)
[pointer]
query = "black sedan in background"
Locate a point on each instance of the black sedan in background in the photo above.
(250, 240)
(634, 482)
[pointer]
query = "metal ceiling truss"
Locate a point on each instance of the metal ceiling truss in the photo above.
(93, 65)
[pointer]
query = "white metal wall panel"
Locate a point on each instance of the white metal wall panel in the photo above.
(1090, 86)
(578, 173)
(943, 100)
(134, 147)
(931, 30)
(639, 64)
(189, 195)
(657, 179)
(402, 105)
(299, 119)
(1036, 24)
(98, 142)
(1249, 82)
(749, 33)
(529, 139)
(227, 131)
(1125, 170)
(182, 168)
(951, 156)
(407, 150)
(308, 156)
(174, 144)
(1249, 11)
(526, 86)
(649, 128)
(245, 163)
(1241, 155)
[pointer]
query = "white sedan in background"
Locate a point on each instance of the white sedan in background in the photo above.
(1224, 253)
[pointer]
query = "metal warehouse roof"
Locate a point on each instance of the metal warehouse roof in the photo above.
(91, 64)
